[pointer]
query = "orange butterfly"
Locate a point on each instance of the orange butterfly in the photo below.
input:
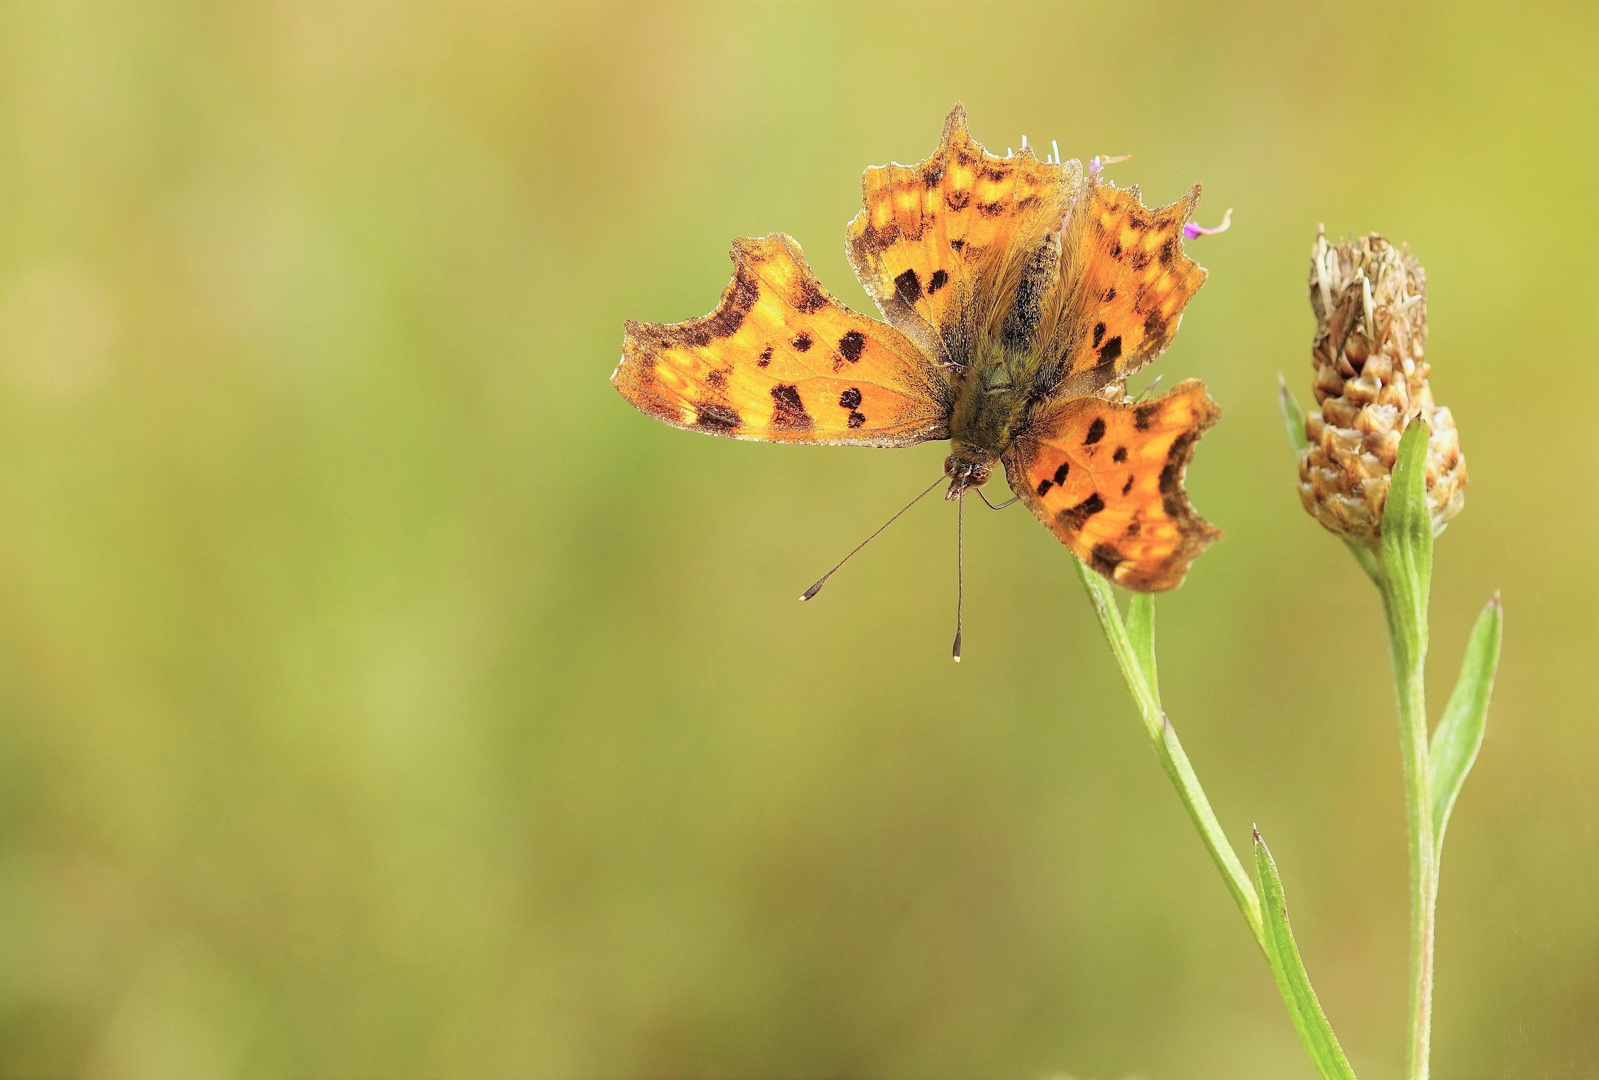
(1019, 295)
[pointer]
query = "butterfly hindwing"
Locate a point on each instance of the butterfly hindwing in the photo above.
(932, 240)
(781, 360)
(1107, 478)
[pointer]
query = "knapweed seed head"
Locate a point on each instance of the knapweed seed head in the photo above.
(1370, 382)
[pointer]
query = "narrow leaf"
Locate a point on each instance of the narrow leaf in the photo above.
(1459, 734)
(1292, 981)
(1141, 632)
(1293, 417)
(1407, 533)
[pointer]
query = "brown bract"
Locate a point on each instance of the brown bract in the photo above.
(1370, 382)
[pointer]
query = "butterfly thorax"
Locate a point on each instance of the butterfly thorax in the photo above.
(989, 409)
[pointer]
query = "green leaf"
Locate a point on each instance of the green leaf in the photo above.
(1141, 632)
(1293, 417)
(1407, 536)
(1459, 735)
(1292, 981)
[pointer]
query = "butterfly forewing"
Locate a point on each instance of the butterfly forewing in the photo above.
(780, 360)
(1125, 283)
(932, 241)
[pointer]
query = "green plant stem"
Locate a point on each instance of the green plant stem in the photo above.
(1132, 642)
(1146, 695)
(1408, 646)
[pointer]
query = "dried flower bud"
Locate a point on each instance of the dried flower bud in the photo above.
(1371, 380)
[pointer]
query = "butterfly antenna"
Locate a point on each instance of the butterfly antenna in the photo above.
(960, 569)
(814, 589)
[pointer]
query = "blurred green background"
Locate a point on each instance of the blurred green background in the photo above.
(380, 695)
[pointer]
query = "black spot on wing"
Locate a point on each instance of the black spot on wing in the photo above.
(1043, 488)
(957, 200)
(1111, 350)
(716, 379)
(1145, 415)
(1099, 334)
(802, 343)
(808, 297)
(1120, 455)
(765, 357)
(851, 344)
(957, 246)
(850, 399)
(716, 417)
(742, 295)
(1073, 517)
(939, 279)
(788, 411)
(1060, 473)
(1127, 486)
(908, 287)
(694, 335)
(856, 419)
(1096, 431)
(1156, 331)
(1171, 477)
(1105, 558)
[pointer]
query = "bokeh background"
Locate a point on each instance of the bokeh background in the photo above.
(381, 696)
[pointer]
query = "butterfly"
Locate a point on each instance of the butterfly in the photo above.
(1017, 296)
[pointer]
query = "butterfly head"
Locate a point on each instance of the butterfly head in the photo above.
(963, 474)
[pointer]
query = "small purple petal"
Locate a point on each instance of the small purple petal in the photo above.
(1099, 162)
(1194, 232)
